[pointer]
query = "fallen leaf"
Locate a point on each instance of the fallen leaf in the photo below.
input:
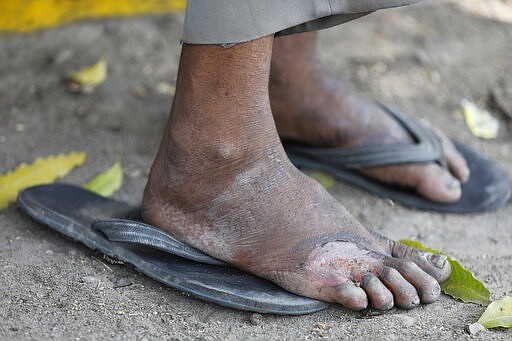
(498, 314)
(41, 171)
(86, 79)
(325, 180)
(107, 182)
(461, 284)
(479, 121)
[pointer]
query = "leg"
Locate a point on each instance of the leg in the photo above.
(313, 106)
(222, 183)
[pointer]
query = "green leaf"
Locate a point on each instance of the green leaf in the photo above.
(107, 182)
(498, 314)
(41, 171)
(325, 180)
(461, 284)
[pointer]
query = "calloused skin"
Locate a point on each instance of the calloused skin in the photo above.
(222, 183)
(312, 105)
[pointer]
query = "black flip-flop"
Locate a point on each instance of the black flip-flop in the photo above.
(111, 227)
(487, 189)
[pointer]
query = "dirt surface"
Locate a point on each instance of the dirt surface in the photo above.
(422, 59)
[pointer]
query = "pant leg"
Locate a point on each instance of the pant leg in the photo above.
(236, 21)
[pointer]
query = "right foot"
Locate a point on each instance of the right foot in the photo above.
(314, 107)
(222, 183)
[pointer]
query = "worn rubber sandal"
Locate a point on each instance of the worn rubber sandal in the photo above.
(102, 224)
(487, 189)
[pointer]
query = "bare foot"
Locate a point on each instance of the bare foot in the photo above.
(222, 183)
(311, 105)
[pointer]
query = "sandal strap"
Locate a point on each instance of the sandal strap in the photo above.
(139, 233)
(427, 148)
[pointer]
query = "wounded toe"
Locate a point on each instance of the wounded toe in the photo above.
(350, 296)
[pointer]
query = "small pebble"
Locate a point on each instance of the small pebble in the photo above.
(256, 319)
(474, 328)
(322, 326)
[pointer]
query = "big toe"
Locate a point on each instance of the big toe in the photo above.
(437, 183)
(435, 265)
(430, 180)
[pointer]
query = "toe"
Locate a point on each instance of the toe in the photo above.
(350, 296)
(426, 286)
(379, 296)
(404, 293)
(436, 183)
(435, 265)
(456, 162)
(430, 180)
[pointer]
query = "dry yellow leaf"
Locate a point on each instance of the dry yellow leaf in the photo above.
(480, 122)
(85, 80)
(41, 171)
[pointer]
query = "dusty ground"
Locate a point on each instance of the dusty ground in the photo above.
(423, 59)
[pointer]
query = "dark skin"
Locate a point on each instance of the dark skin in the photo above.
(314, 106)
(222, 183)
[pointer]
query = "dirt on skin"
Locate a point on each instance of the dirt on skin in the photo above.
(423, 59)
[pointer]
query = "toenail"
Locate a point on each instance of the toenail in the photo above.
(465, 175)
(438, 260)
(453, 185)
(436, 290)
(415, 302)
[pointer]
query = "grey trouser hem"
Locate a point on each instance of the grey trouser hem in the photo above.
(235, 21)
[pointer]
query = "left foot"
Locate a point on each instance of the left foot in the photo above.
(221, 182)
(313, 106)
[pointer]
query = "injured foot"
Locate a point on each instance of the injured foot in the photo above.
(313, 106)
(222, 183)
(262, 215)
